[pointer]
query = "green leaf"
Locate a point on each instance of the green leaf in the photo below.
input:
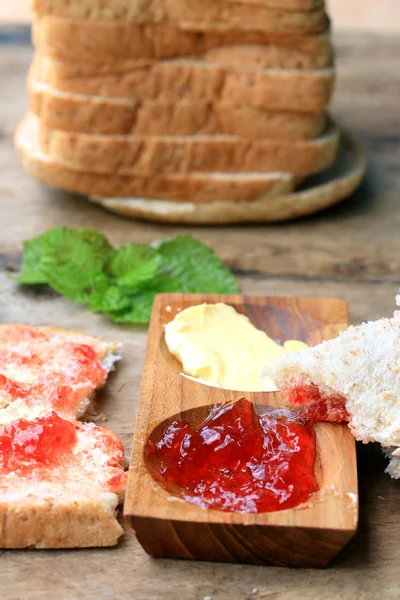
(109, 300)
(31, 272)
(73, 262)
(134, 264)
(193, 267)
(82, 265)
(142, 302)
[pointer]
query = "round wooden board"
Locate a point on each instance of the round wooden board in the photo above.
(316, 193)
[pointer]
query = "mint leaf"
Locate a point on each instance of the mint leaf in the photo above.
(31, 265)
(73, 262)
(134, 264)
(139, 310)
(121, 283)
(193, 267)
(109, 300)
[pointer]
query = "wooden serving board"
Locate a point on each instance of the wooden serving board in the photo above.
(167, 526)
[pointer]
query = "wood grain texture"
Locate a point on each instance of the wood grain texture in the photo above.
(167, 526)
(352, 251)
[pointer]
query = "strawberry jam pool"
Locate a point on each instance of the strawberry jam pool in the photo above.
(236, 460)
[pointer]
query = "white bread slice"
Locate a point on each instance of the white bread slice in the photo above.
(361, 366)
(101, 46)
(108, 116)
(196, 187)
(201, 81)
(56, 377)
(158, 155)
(123, 10)
(69, 504)
(197, 13)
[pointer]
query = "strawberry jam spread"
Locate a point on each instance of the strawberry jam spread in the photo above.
(237, 461)
(110, 444)
(315, 405)
(27, 445)
(44, 369)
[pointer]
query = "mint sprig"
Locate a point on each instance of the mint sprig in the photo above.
(121, 283)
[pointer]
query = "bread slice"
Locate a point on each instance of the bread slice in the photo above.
(196, 187)
(285, 4)
(197, 13)
(67, 501)
(106, 46)
(122, 10)
(45, 368)
(107, 116)
(359, 371)
(159, 155)
(202, 81)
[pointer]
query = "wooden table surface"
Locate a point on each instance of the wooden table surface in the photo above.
(351, 251)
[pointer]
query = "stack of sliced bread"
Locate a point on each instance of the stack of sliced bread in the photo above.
(194, 101)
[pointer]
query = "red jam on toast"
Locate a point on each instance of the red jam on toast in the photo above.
(26, 445)
(47, 447)
(315, 405)
(44, 369)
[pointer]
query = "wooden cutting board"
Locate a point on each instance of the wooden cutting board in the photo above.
(307, 536)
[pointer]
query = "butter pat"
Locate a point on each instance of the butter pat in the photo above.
(222, 347)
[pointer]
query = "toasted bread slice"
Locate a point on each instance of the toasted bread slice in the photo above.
(54, 496)
(201, 81)
(45, 368)
(108, 116)
(199, 188)
(101, 46)
(159, 155)
(357, 371)
(196, 13)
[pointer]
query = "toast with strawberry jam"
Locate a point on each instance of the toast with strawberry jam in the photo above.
(354, 377)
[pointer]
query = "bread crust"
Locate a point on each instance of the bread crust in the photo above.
(148, 156)
(201, 81)
(196, 12)
(120, 9)
(59, 523)
(97, 115)
(196, 187)
(99, 42)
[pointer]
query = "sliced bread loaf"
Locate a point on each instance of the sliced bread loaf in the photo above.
(59, 496)
(97, 115)
(264, 209)
(196, 13)
(60, 371)
(333, 186)
(284, 4)
(103, 46)
(147, 156)
(201, 81)
(194, 187)
(122, 10)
